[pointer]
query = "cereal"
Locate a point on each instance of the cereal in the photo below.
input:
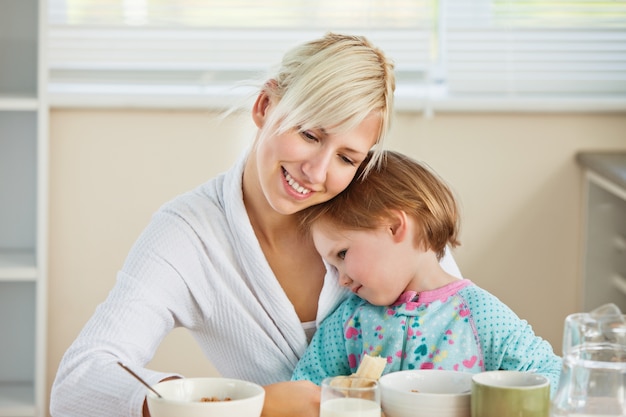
(213, 399)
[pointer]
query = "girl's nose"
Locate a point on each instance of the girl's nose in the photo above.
(344, 280)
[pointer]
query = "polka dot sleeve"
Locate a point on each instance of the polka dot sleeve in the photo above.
(508, 342)
(326, 355)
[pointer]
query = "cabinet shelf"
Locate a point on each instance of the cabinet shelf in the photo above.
(17, 265)
(17, 399)
(18, 103)
(23, 203)
(604, 216)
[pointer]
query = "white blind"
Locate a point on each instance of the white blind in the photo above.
(547, 48)
(212, 41)
(443, 49)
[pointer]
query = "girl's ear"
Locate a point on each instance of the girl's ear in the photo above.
(262, 104)
(399, 225)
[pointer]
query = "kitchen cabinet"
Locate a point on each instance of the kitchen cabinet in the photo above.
(23, 208)
(604, 229)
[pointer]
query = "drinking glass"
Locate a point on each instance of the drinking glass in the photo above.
(350, 396)
(593, 379)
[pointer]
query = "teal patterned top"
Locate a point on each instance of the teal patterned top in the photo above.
(457, 327)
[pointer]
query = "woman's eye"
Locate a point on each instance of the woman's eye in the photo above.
(347, 160)
(342, 254)
(309, 136)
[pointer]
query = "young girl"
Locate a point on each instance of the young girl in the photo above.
(384, 237)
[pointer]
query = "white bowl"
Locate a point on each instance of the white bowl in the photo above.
(182, 398)
(425, 393)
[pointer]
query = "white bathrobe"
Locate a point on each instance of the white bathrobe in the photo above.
(197, 265)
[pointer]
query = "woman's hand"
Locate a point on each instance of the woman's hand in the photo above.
(293, 398)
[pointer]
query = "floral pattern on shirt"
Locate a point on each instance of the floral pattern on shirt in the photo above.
(457, 327)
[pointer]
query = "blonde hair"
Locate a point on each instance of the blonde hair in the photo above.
(334, 83)
(397, 183)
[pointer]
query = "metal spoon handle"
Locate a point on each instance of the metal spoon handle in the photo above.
(139, 378)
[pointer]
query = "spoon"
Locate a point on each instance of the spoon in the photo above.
(139, 379)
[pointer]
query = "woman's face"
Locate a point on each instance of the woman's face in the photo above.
(298, 169)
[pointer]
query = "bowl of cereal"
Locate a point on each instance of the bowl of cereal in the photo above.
(206, 397)
(426, 393)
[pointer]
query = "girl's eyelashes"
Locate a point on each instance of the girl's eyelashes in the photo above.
(342, 254)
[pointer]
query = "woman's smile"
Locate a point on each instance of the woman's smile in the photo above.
(295, 185)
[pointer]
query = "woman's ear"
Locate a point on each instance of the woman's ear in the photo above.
(262, 104)
(259, 110)
(399, 225)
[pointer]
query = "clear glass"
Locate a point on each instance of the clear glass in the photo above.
(593, 378)
(350, 396)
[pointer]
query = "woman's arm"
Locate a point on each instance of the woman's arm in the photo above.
(148, 299)
(89, 381)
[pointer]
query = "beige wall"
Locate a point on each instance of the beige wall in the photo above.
(515, 175)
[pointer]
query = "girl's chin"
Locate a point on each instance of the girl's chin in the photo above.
(379, 302)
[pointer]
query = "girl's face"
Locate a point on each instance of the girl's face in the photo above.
(374, 264)
(298, 169)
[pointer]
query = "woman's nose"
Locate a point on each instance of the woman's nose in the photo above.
(316, 167)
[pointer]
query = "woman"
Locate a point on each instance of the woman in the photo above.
(226, 260)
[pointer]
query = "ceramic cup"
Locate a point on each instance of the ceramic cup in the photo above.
(510, 393)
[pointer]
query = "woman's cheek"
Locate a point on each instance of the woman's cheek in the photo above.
(341, 182)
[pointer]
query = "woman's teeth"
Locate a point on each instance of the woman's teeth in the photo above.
(294, 184)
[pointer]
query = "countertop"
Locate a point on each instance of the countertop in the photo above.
(609, 164)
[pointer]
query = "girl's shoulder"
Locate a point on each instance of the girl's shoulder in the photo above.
(482, 303)
(473, 291)
(354, 307)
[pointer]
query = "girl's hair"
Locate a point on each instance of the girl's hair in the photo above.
(397, 183)
(333, 83)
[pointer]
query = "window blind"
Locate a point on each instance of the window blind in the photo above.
(208, 42)
(546, 48)
(443, 49)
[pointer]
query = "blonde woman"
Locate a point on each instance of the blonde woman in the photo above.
(226, 260)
